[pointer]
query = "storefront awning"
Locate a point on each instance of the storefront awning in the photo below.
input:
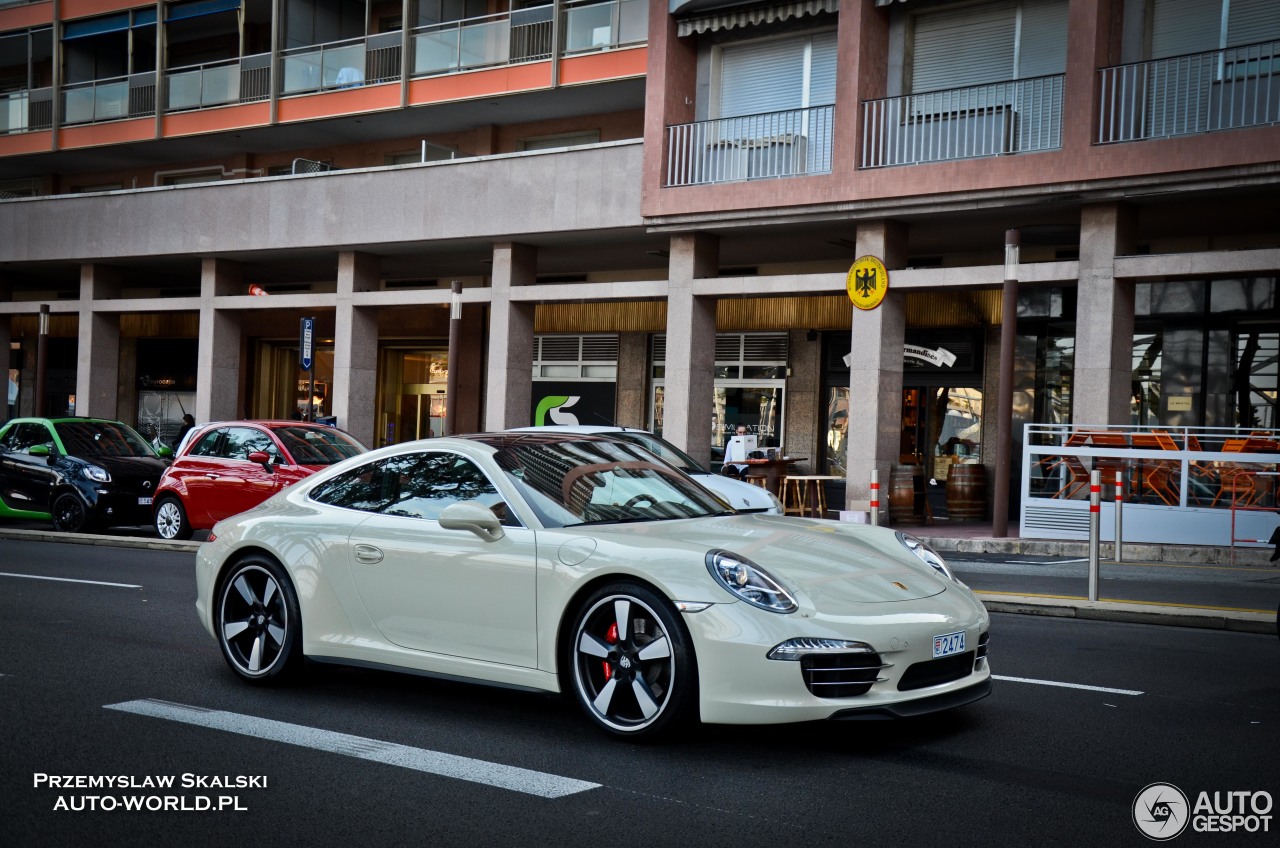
(764, 14)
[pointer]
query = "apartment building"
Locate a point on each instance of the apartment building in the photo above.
(653, 209)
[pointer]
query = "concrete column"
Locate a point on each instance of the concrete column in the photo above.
(875, 370)
(510, 388)
(471, 369)
(355, 347)
(691, 350)
(806, 410)
(218, 354)
(5, 340)
(98, 353)
(632, 381)
(1104, 318)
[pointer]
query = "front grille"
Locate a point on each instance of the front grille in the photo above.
(937, 672)
(840, 675)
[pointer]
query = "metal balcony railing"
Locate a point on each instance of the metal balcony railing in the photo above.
(750, 147)
(1018, 116)
(109, 99)
(1202, 92)
(341, 64)
(243, 80)
(26, 110)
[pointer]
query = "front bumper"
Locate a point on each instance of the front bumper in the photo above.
(740, 685)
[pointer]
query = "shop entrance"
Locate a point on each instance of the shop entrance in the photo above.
(420, 412)
(412, 388)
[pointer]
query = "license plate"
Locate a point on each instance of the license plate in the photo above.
(945, 646)
(147, 502)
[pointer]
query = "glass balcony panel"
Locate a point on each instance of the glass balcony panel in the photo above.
(436, 52)
(111, 100)
(302, 72)
(13, 112)
(184, 90)
(343, 66)
(589, 27)
(485, 44)
(633, 21)
(221, 85)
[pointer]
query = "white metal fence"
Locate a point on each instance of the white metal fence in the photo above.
(774, 144)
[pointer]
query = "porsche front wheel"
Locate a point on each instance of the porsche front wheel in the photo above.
(632, 663)
(257, 620)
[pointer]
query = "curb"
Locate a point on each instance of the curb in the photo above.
(100, 540)
(1191, 554)
(1130, 613)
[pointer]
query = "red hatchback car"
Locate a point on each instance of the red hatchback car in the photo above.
(227, 467)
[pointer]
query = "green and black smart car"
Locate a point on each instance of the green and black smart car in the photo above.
(81, 473)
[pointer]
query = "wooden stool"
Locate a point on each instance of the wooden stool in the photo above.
(810, 493)
(795, 494)
(758, 480)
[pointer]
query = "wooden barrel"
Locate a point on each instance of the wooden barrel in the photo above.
(902, 494)
(966, 493)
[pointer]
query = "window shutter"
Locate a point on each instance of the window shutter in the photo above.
(1185, 26)
(822, 70)
(766, 76)
(1252, 21)
(955, 48)
(1043, 49)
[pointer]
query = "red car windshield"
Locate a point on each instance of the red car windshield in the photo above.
(317, 445)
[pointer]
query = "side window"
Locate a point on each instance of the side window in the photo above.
(26, 436)
(208, 444)
(418, 485)
(242, 441)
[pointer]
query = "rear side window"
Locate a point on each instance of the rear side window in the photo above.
(208, 444)
(418, 485)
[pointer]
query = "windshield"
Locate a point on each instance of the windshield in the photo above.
(100, 438)
(598, 481)
(661, 448)
(317, 445)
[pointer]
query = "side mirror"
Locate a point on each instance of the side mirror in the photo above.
(39, 450)
(164, 452)
(262, 458)
(474, 517)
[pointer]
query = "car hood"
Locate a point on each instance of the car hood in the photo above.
(835, 565)
(129, 467)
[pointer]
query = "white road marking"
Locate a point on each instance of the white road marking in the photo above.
(419, 759)
(1067, 685)
(70, 580)
(1043, 561)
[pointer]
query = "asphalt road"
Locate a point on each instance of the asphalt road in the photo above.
(1033, 764)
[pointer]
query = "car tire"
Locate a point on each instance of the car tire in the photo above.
(631, 663)
(170, 520)
(257, 621)
(69, 513)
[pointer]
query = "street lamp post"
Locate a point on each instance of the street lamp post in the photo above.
(1004, 406)
(42, 360)
(451, 381)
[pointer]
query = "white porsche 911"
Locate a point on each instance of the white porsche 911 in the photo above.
(573, 563)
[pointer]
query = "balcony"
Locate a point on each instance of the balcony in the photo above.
(219, 83)
(341, 64)
(526, 35)
(26, 111)
(109, 99)
(751, 147)
(1202, 92)
(1018, 116)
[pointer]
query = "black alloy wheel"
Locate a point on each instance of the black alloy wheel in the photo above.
(70, 515)
(257, 621)
(171, 520)
(632, 663)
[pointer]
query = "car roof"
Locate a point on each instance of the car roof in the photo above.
(586, 429)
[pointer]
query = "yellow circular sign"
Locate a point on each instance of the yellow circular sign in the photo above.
(868, 282)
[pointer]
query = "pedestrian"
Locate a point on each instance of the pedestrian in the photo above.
(188, 424)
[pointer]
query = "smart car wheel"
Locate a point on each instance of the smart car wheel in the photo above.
(69, 514)
(632, 665)
(171, 520)
(257, 620)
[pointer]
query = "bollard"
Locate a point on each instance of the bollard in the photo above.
(1119, 520)
(1095, 516)
(875, 497)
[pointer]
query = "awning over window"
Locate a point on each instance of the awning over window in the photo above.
(764, 14)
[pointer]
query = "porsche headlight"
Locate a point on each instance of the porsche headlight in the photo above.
(927, 555)
(96, 474)
(749, 582)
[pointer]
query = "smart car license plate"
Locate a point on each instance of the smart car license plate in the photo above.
(945, 646)
(147, 502)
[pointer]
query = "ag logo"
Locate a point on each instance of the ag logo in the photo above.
(867, 283)
(1161, 811)
(553, 407)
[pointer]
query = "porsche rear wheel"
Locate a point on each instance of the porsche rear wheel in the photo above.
(257, 620)
(632, 663)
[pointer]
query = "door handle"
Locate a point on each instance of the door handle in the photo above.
(212, 476)
(368, 554)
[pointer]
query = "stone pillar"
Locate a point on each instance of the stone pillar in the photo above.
(510, 389)
(691, 350)
(355, 347)
(5, 340)
(471, 369)
(806, 409)
(218, 354)
(632, 381)
(875, 370)
(1103, 377)
(98, 353)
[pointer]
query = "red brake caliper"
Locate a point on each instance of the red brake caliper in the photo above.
(612, 638)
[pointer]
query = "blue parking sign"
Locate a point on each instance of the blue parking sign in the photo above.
(304, 342)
